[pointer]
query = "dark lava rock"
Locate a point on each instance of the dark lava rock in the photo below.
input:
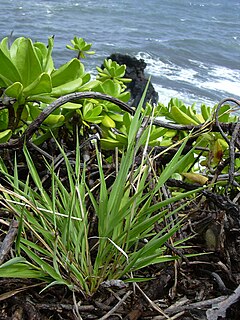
(135, 71)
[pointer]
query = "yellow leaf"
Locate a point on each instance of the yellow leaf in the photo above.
(217, 151)
(195, 177)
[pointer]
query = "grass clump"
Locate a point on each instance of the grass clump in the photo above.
(80, 235)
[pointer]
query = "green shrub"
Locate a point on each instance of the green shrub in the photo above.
(29, 82)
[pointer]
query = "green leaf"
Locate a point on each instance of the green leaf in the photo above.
(5, 135)
(120, 71)
(43, 265)
(91, 113)
(3, 119)
(224, 113)
(21, 268)
(15, 90)
(54, 120)
(96, 111)
(26, 60)
(80, 45)
(103, 201)
(66, 88)
(71, 106)
(8, 72)
(46, 55)
(151, 260)
(135, 123)
(140, 227)
(4, 46)
(45, 98)
(112, 88)
(110, 144)
(181, 117)
(40, 86)
(35, 176)
(67, 72)
(89, 86)
(87, 108)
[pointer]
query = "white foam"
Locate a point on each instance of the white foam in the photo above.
(165, 95)
(110, 44)
(199, 64)
(222, 79)
(153, 65)
(156, 67)
(223, 85)
(213, 78)
(129, 29)
(157, 40)
(225, 73)
(186, 75)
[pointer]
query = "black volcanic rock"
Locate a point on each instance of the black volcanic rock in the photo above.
(135, 71)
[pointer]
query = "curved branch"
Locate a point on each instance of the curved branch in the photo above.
(17, 143)
(33, 127)
(214, 127)
(237, 102)
(233, 139)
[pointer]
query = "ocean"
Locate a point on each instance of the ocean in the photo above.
(192, 48)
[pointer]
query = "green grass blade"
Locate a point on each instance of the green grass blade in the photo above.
(21, 268)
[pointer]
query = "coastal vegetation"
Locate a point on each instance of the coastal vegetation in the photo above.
(96, 194)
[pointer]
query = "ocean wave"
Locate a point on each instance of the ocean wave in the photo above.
(211, 79)
(226, 86)
(191, 47)
(167, 70)
(225, 73)
(165, 94)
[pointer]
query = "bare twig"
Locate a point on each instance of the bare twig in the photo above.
(8, 240)
(232, 154)
(33, 127)
(9, 294)
(152, 303)
(219, 309)
(223, 202)
(234, 138)
(220, 127)
(191, 306)
(64, 306)
(172, 318)
(228, 127)
(221, 285)
(114, 309)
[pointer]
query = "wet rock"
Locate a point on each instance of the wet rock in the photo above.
(135, 71)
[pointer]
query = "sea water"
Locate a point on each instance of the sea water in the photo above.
(192, 48)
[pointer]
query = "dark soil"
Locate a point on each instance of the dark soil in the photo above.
(179, 287)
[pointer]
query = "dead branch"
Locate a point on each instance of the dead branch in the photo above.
(34, 126)
(219, 309)
(116, 307)
(8, 240)
(220, 125)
